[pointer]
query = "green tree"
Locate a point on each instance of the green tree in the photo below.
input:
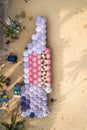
(14, 125)
(10, 32)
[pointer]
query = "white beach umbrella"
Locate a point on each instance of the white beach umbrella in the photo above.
(43, 26)
(28, 112)
(26, 80)
(30, 45)
(39, 51)
(25, 53)
(43, 37)
(23, 114)
(26, 75)
(48, 89)
(26, 64)
(38, 29)
(34, 37)
(43, 31)
(43, 20)
(26, 59)
(38, 18)
(29, 51)
(27, 85)
(40, 115)
(45, 113)
(26, 70)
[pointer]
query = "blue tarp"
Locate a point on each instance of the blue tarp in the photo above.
(12, 58)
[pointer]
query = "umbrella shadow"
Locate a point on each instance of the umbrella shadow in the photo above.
(77, 66)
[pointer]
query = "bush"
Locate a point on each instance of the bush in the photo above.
(23, 14)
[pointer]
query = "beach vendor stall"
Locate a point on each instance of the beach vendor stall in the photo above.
(37, 74)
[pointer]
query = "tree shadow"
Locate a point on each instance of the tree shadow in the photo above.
(77, 66)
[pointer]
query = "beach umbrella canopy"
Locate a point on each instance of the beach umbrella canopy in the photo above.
(43, 20)
(27, 101)
(28, 106)
(23, 103)
(32, 115)
(25, 53)
(40, 115)
(45, 113)
(30, 45)
(27, 85)
(26, 80)
(38, 29)
(26, 75)
(43, 26)
(30, 51)
(26, 64)
(23, 114)
(38, 18)
(26, 59)
(48, 89)
(26, 70)
(43, 31)
(34, 37)
(23, 109)
(23, 98)
(23, 88)
(28, 112)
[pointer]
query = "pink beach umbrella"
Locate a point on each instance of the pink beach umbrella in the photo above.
(35, 75)
(48, 50)
(48, 62)
(48, 73)
(30, 57)
(48, 56)
(48, 67)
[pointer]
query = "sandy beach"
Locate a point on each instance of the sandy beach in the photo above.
(67, 35)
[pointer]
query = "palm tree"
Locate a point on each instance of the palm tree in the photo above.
(2, 81)
(14, 125)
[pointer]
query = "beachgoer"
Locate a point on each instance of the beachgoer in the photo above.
(52, 100)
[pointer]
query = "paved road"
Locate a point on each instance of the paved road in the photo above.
(2, 12)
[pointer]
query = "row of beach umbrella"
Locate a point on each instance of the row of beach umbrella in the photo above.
(37, 62)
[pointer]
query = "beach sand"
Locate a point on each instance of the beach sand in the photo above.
(67, 36)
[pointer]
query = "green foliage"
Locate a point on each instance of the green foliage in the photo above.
(23, 14)
(10, 33)
(14, 125)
